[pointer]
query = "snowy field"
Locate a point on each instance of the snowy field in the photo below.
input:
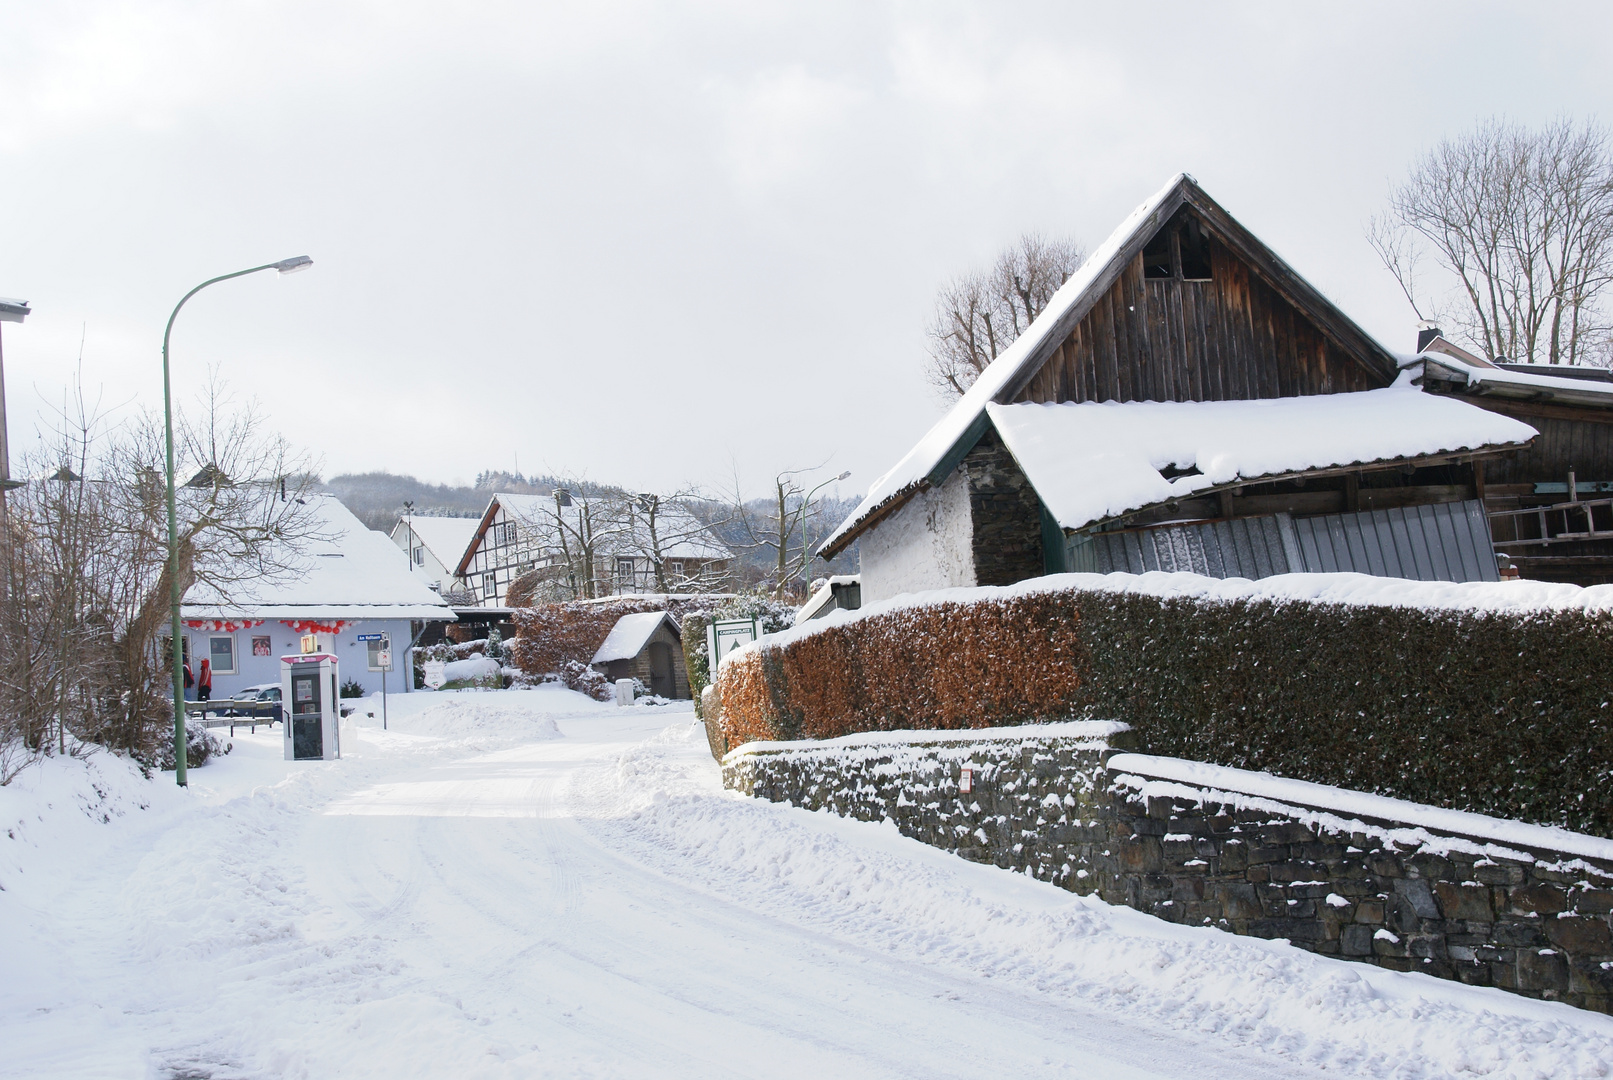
(529, 883)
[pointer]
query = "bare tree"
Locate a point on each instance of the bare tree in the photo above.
(1519, 223)
(659, 525)
(978, 315)
(568, 537)
(784, 527)
(85, 603)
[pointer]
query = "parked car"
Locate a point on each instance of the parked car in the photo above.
(259, 700)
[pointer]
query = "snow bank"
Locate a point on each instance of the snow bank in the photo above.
(472, 667)
(1096, 460)
(976, 929)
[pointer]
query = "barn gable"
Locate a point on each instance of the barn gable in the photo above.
(1181, 303)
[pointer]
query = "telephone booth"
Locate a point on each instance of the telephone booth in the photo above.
(312, 711)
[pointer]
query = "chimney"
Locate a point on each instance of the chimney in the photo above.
(1426, 333)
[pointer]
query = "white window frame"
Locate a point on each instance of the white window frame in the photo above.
(235, 656)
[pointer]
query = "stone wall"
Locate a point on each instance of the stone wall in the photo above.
(1005, 513)
(1046, 801)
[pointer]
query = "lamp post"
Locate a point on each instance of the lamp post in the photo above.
(10, 311)
(806, 506)
(175, 646)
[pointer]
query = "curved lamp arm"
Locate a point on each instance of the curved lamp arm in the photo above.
(284, 266)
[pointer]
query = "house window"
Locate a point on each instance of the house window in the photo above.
(624, 570)
(677, 569)
(221, 651)
(373, 650)
(490, 586)
(420, 556)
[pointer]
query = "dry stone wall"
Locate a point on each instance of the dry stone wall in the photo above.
(1045, 801)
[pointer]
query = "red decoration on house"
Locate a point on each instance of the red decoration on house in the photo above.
(229, 626)
(315, 626)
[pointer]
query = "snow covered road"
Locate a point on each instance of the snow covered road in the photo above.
(530, 884)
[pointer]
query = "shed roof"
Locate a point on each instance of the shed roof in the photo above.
(1097, 460)
(629, 636)
(943, 446)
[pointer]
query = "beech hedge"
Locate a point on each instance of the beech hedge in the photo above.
(1500, 713)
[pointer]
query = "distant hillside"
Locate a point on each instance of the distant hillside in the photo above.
(377, 499)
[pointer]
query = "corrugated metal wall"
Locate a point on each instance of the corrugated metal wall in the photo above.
(1442, 542)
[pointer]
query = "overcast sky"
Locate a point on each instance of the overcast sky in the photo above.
(649, 243)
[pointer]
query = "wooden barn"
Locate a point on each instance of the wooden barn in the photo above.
(1166, 411)
(1551, 505)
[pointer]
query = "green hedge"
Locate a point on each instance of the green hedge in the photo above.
(1498, 713)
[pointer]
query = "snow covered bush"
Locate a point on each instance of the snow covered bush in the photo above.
(200, 746)
(550, 635)
(352, 688)
(578, 676)
(1505, 711)
(775, 615)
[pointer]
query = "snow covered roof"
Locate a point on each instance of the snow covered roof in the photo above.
(629, 636)
(681, 534)
(446, 537)
(1096, 460)
(348, 572)
(1476, 377)
(825, 594)
(938, 452)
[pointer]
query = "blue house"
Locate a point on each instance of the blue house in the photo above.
(351, 582)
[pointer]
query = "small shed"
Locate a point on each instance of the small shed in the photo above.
(647, 646)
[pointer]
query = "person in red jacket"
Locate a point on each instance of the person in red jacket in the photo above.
(204, 684)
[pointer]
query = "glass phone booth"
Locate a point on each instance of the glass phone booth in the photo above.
(312, 711)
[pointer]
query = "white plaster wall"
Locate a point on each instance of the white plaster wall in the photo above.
(924, 545)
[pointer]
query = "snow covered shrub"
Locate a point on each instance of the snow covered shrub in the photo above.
(1504, 712)
(549, 635)
(775, 615)
(578, 676)
(352, 688)
(200, 746)
(963, 665)
(493, 647)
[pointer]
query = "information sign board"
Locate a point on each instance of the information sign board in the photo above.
(723, 636)
(436, 673)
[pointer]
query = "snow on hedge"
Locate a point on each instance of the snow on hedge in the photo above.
(1096, 460)
(1362, 590)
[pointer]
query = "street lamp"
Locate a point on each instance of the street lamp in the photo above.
(175, 647)
(806, 505)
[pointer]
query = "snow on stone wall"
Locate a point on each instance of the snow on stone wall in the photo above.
(1051, 802)
(924, 545)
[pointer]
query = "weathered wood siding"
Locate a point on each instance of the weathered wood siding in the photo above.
(1584, 445)
(1231, 338)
